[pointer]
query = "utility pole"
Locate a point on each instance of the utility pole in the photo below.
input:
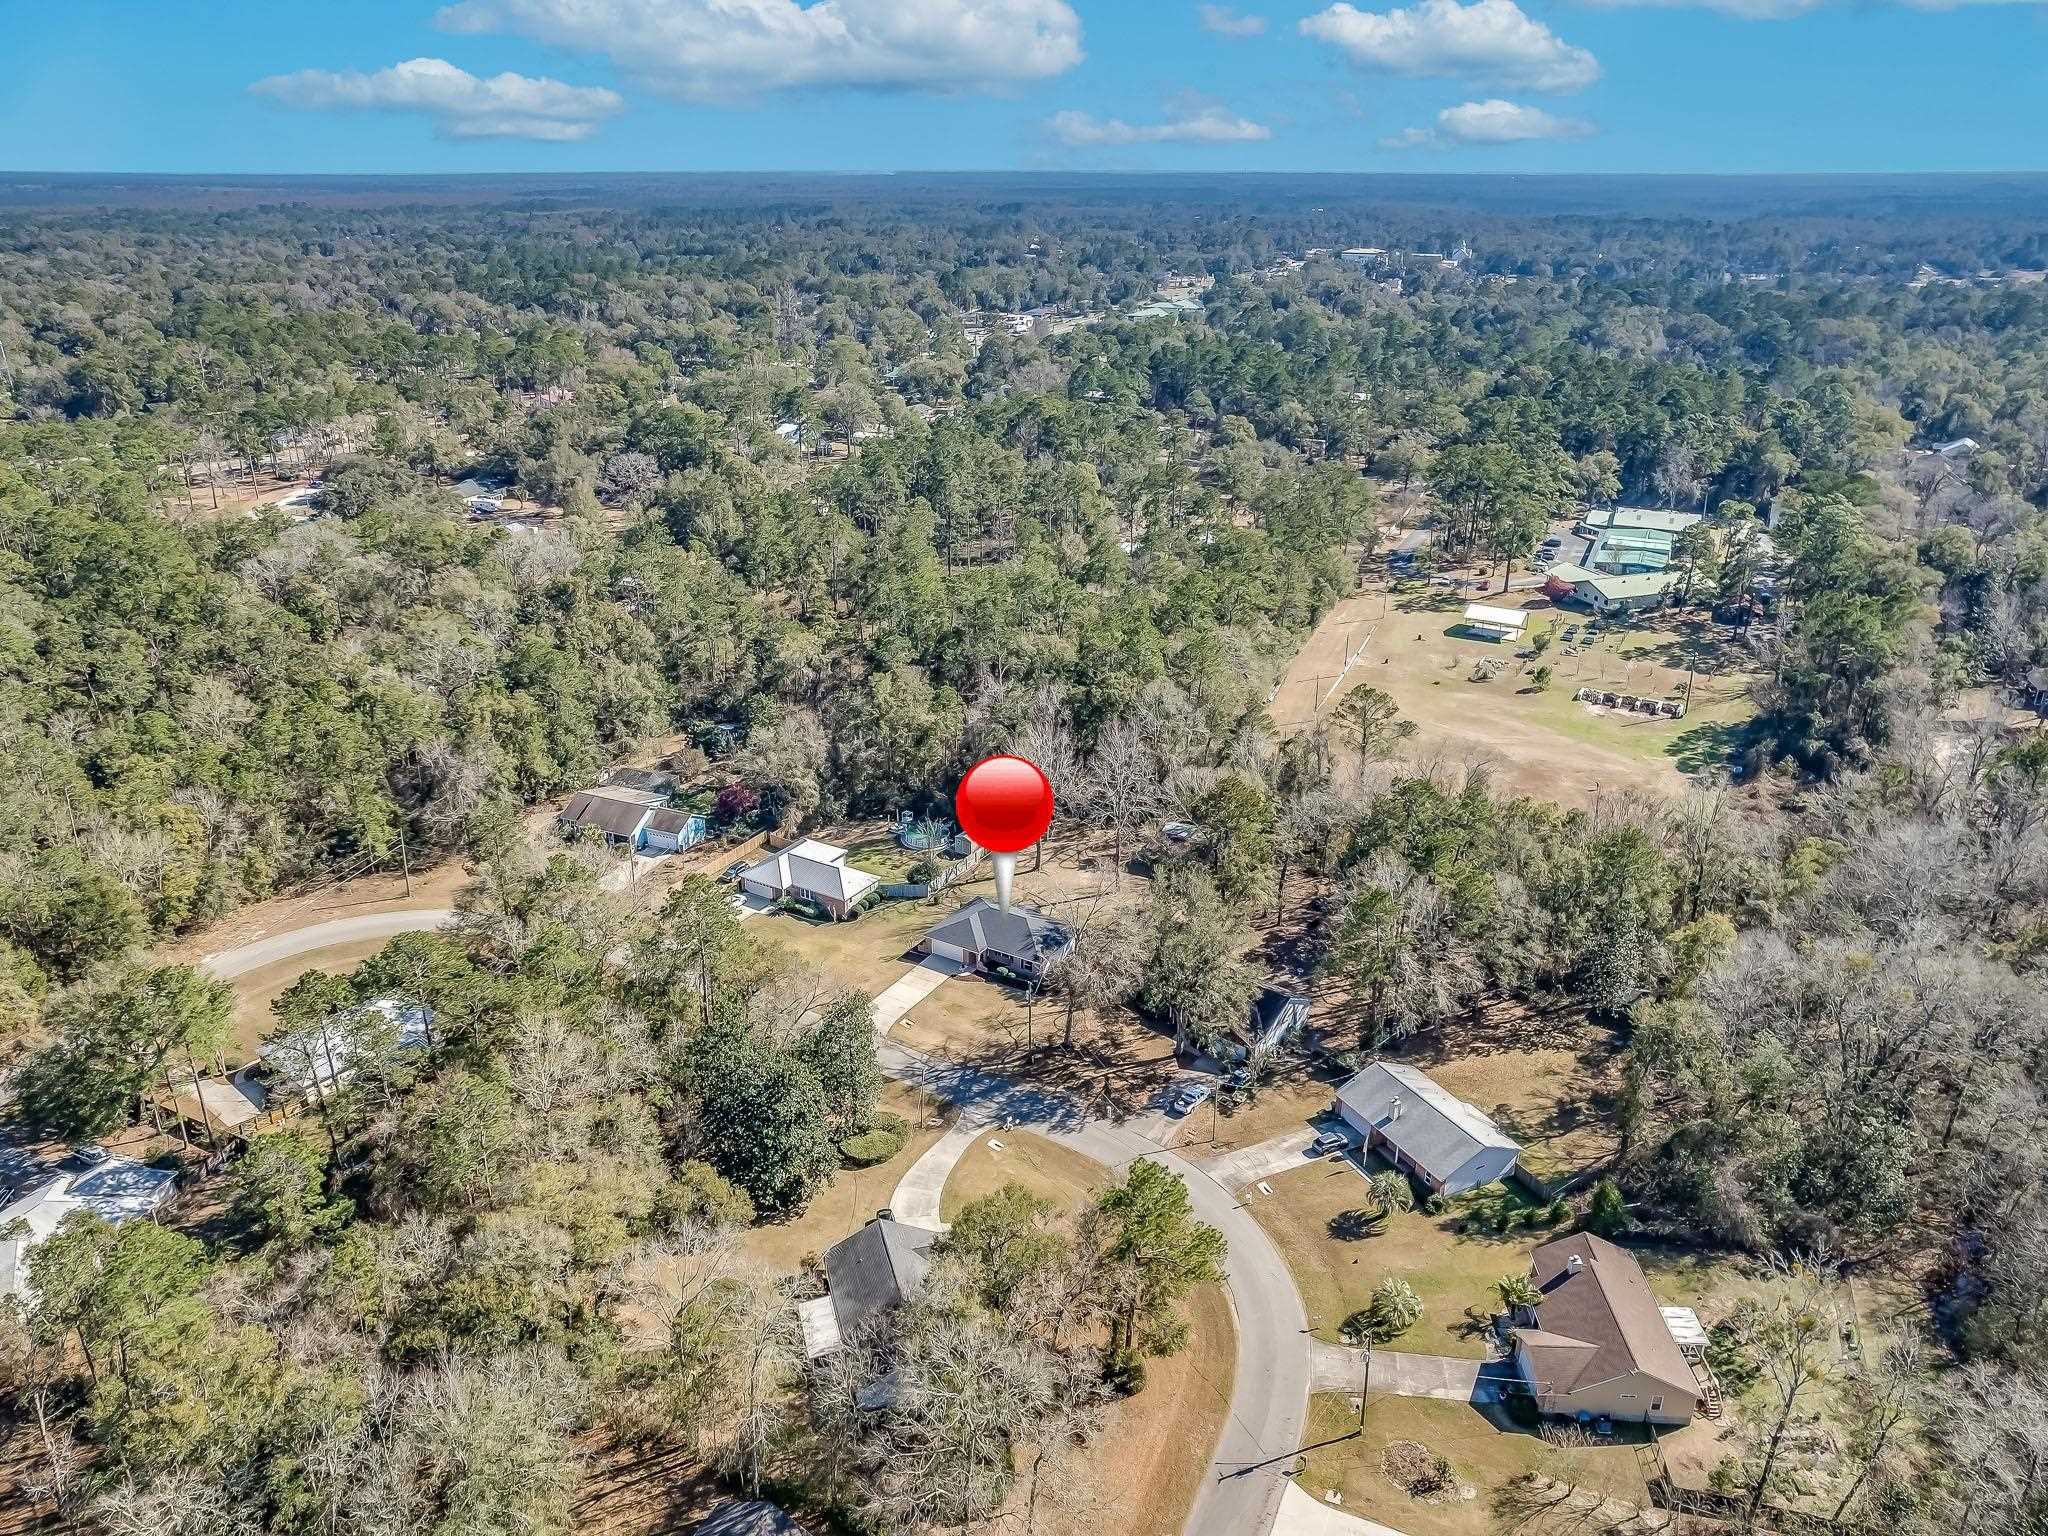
(1365, 1390)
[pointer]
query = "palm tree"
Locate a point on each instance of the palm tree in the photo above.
(1516, 1291)
(1393, 1191)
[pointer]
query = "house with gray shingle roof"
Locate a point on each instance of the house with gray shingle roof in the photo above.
(982, 936)
(866, 1275)
(1425, 1130)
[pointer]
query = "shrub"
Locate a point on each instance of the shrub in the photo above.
(1541, 678)
(1392, 1312)
(1123, 1372)
(1436, 1205)
(1350, 1226)
(735, 802)
(877, 1144)
(1557, 1211)
(1609, 1213)
(924, 870)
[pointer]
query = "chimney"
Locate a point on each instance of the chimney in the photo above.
(1575, 1263)
(1396, 1113)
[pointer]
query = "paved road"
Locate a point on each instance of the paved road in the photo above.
(227, 964)
(1269, 1403)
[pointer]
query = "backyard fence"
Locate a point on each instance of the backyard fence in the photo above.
(908, 891)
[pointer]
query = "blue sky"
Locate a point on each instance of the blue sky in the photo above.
(870, 85)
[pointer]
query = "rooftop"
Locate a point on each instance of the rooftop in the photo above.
(879, 1266)
(1436, 1128)
(1020, 932)
(1598, 1320)
(114, 1188)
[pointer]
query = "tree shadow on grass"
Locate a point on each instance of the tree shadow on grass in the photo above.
(1707, 746)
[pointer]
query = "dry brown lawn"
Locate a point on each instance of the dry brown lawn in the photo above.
(1053, 1172)
(1452, 1270)
(1486, 1453)
(1544, 744)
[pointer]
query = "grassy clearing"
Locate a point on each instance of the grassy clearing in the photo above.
(1486, 1455)
(1540, 742)
(1046, 1168)
(1448, 1259)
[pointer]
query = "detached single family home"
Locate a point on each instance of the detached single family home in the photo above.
(1598, 1345)
(116, 1189)
(878, 1268)
(810, 871)
(1424, 1130)
(982, 936)
(639, 819)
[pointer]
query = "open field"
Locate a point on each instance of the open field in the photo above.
(1485, 1450)
(850, 1197)
(1154, 1448)
(1410, 643)
(1452, 1269)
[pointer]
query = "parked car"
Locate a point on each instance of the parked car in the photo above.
(1187, 1097)
(1328, 1142)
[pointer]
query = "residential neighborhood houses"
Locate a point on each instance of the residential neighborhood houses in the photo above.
(115, 1189)
(981, 936)
(877, 1268)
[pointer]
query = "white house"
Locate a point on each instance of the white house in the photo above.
(809, 871)
(117, 1189)
(1424, 1130)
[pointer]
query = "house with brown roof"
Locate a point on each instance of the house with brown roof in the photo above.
(1597, 1345)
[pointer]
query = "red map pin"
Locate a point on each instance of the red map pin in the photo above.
(1004, 805)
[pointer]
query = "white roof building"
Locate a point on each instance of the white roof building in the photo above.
(1496, 623)
(809, 870)
(117, 1189)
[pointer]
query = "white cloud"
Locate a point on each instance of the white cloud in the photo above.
(1225, 22)
(1785, 10)
(462, 105)
(727, 50)
(1194, 125)
(1489, 40)
(1489, 122)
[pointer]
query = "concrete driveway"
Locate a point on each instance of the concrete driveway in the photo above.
(1302, 1514)
(912, 988)
(1448, 1379)
(1247, 1165)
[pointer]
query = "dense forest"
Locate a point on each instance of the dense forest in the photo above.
(795, 495)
